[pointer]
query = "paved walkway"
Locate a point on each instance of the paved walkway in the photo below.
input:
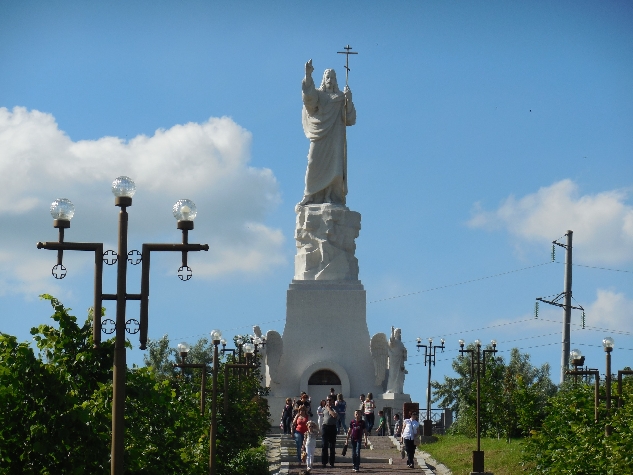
(381, 457)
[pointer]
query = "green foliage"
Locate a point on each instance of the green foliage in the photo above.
(248, 462)
(242, 427)
(55, 409)
(513, 396)
(46, 422)
(570, 441)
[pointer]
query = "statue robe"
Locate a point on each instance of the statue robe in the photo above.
(324, 121)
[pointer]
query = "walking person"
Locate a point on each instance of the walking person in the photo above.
(341, 406)
(309, 442)
(286, 417)
(300, 427)
(409, 431)
(356, 433)
(320, 413)
(397, 426)
(304, 401)
(382, 424)
(369, 406)
(328, 432)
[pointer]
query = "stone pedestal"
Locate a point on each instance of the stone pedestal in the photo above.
(326, 329)
(325, 334)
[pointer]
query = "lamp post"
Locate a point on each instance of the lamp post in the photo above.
(183, 349)
(248, 351)
(475, 359)
(216, 337)
(607, 344)
(429, 357)
(62, 211)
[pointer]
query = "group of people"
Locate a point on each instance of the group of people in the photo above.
(296, 419)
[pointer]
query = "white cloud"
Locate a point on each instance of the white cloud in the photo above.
(602, 223)
(206, 162)
(611, 310)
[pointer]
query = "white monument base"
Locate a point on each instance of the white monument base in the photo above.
(326, 330)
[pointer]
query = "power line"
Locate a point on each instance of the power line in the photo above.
(601, 268)
(618, 332)
(460, 283)
(230, 329)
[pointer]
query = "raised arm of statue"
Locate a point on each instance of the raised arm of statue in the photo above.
(309, 69)
(309, 94)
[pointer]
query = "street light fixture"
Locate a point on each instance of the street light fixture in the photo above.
(62, 211)
(475, 359)
(429, 358)
(183, 349)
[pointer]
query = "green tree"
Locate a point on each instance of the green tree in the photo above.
(47, 424)
(241, 429)
(513, 395)
(570, 441)
(55, 410)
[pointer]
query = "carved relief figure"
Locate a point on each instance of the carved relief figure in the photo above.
(325, 244)
(326, 113)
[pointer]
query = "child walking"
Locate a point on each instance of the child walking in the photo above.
(309, 443)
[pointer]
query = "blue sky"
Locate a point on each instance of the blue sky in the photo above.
(485, 130)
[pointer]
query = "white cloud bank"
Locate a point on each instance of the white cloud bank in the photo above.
(205, 162)
(602, 223)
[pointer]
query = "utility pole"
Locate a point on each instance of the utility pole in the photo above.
(566, 297)
(564, 362)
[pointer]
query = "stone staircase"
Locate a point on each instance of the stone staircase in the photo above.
(381, 453)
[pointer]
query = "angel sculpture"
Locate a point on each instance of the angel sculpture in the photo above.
(274, 350)
(397, 357)
(379, 352)
(262, 343)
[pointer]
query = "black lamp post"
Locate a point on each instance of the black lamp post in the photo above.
(62, 211)
(607, 344)
(475, 359)
(183, 349)
(429, 358)
(577, 360)
(248, 351)
(216, 338)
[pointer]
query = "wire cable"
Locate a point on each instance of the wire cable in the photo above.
(460, 283)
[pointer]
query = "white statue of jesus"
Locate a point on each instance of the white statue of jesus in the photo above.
(326, 113)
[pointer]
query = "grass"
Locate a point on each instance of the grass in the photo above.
(456, 452)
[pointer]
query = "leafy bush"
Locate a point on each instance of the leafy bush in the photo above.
(250, 461)
(571, 442)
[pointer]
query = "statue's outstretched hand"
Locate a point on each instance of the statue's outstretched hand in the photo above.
(309, 69)
(348, 93)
